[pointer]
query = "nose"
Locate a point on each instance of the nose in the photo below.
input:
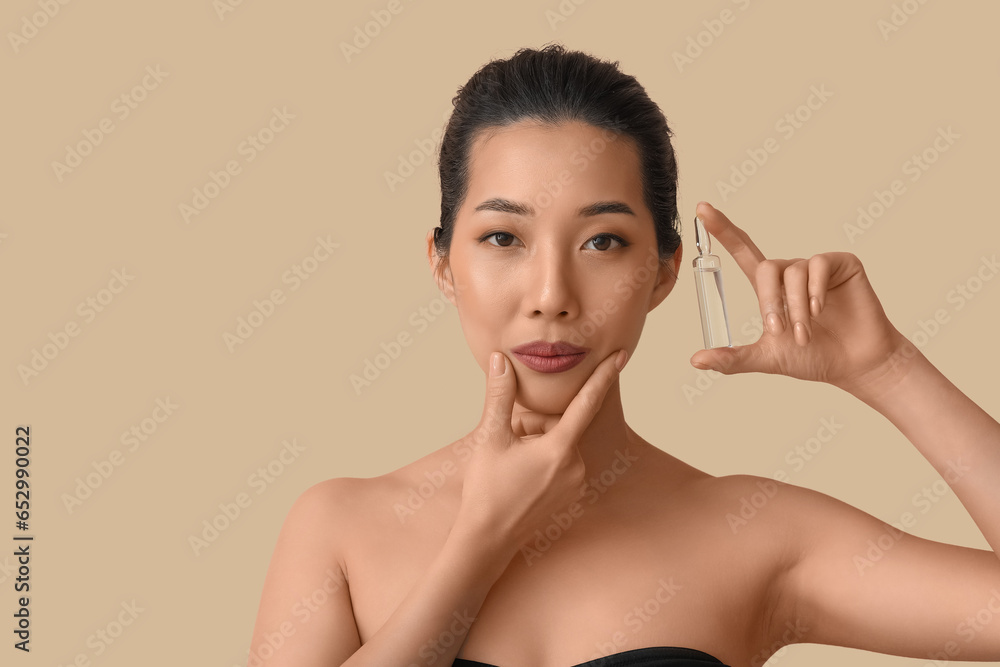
(552, 285)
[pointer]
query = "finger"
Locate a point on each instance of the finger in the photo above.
(528, 423)
(737, 359)
(581, 410)
(796, 279)
(736, 241)
(771, 295)
(500, 390)
(820, 269)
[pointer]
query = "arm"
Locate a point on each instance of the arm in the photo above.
(954, 434)
(859, 582)
(306, 567)
(298, 626)
(863, 583)
(849, 578)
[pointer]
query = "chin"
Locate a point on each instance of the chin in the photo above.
(550, 396)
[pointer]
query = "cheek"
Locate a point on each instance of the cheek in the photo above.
(622, 316)
(488, 287)
(621, 302)
(485, 302)
(485, 315)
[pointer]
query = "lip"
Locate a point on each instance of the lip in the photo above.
(546, 357)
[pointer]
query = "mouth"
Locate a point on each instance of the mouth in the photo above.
(546, 357)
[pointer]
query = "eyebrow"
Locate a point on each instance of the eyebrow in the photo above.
(518, 208)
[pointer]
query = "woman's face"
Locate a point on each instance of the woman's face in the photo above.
(554, 243)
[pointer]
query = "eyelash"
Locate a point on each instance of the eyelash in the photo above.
(622, 242)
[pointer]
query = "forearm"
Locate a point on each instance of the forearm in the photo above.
(431, 623)
(959, 439)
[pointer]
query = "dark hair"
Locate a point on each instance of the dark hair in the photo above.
(553, 85)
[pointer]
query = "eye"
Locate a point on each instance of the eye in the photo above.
(492, 235)
(608, 237)
(505, 240)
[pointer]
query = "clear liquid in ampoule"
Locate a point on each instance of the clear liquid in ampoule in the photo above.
(711, 297)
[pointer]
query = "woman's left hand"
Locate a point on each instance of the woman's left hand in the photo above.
(830, 326)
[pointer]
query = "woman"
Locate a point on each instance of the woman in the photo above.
(556, 528)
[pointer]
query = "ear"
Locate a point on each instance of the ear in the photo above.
(441, 270)
(665, 279)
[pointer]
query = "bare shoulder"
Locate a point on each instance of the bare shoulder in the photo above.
(750, 499)
(850, 579)
(775, 525)
(338, 502)
(758, 515)
(358, 507)
(332, 497)
(801, 517)
(307, 597)
(789, 518)
(316, 521)
(816, 546)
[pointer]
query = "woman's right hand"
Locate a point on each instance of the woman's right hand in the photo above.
(513, 484)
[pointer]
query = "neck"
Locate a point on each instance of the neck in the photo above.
(607, 445)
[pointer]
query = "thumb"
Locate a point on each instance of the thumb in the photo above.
(500, 389)
(731, 360)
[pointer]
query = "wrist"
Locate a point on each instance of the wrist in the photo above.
(483, 540)
(878, 382)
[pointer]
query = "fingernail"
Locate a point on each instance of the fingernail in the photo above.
(497, 365)
(774, 323)
(801, 333)
(814, 305)
(621, 359)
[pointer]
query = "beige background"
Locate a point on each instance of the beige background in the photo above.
(324, 176)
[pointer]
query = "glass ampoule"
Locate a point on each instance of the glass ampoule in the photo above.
(711, 297)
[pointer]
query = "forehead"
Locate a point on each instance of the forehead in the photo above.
(529, 155)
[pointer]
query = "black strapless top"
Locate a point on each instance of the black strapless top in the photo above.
(653, 656)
